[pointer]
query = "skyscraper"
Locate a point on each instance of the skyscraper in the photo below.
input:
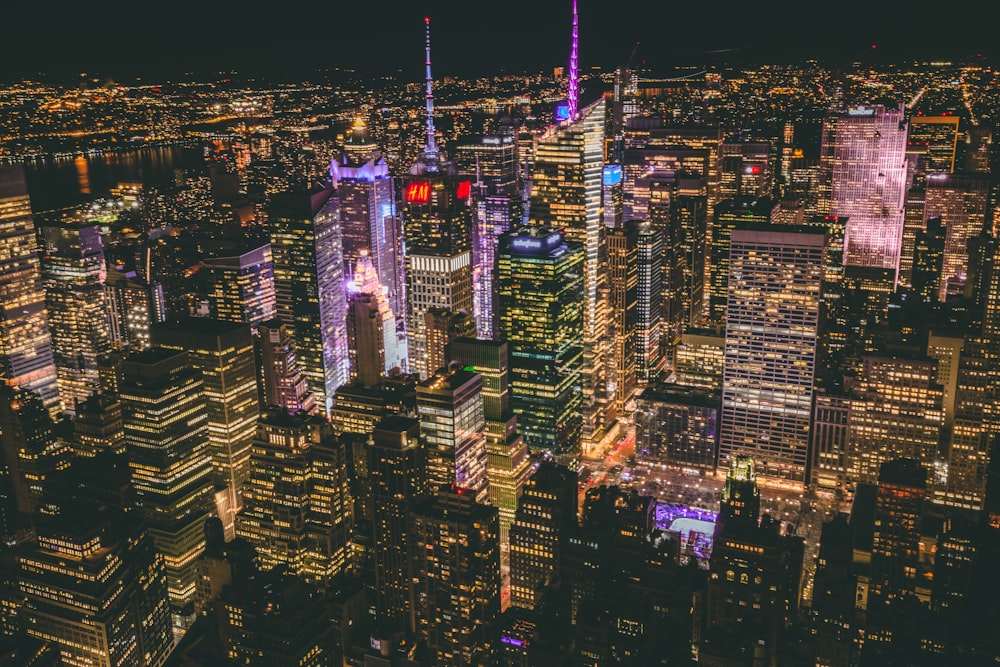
(72, 271)
(98, 426)
(130, 310)
(649, 256)
(298, 510)
(167, 443)
(25, 344)
(309, 284)
(283, 381)
(566, 195)
(938, 137)
(864, 153)
(242, 286)
(455, 553)
(508, 465)
(223, 353)
(623, 277)
(540, 280)
(490, 162)
(728, 214)
(368, 213)
(397, 470)
(772, 322)
(373, 344)
(959, 200)
(453, 425)
(438, 233)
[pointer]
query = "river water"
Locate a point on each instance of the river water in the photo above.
(55, 184)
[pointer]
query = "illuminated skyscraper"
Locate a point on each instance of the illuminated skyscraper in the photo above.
(94, 585)
(242, 286)
(284, 383)
(678, 426)
(309, 284)
(397, 470)
(455, 552)
(72, 272)
(223, 352)
(864, 151)
(772, 322)
(545, 521)
(298, 509)
(649, 256)
(98, 426)
(130, 310)
(508, 465)
(540, 280)
(442, 327)
(25, 345)
(452, 424)
(167, 442)
(490, 163)
(728, 214)
(960, 201)
(896, 412)
(368, 213)
(438, 232)
(623, 278)
(371, 327)
(938, 136)
(566, 195)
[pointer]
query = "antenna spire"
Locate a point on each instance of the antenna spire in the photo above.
(431, 149)
(574, 66)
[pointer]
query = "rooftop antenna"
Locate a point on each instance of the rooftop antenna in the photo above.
(431, 149)
(574, 66)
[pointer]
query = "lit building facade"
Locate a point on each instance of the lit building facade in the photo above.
(72, 273)
(649, 289)
(959, 200)
(540, 280)
(167, 443)
(242, 286)
(284, 383)
(864, 153)
(298, 510)
(623, 278)
(678, 426)
(25, 344)
(772, 322)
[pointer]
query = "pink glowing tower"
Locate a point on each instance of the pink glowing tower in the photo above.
(574, 66)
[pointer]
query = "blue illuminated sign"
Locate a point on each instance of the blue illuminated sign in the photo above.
(612, 174)
(562, 112)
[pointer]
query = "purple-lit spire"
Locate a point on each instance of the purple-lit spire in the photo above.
(574, 66)
(431, 149)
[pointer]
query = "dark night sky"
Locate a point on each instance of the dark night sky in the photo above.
(153, 38)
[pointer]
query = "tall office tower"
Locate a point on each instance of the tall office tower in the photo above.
(728, 214)
(98, 426)
(167, 442)
(752, 593)
(830, 441)
(625, 99)
(864, 151)
(242, 286)
(834, 595)
(543, 525)
(94, 586)
(978, 140)
(371, 326)
(309, 284)
(700, 358)
(945, 346)
(452, 423)
(284, 383)
(298, 510)
(566, 195)
(896, 412)
(130, 310)
(397, 472)
(899, 499)
(649, 252)
(223, 352)
(72, 270)
(455, 553)
(368, 217)
(540, 280)
(746, 168)
(490, 163)
(938, 136)
(25, 344)
(913, 223)
(508, 465)
(772, 322)
(928, 260)
(441, 327)
(613, 196)
(678, 426)
(648, 172)
(437, 222)
(960, 201)
(31, 450)
(622, 245)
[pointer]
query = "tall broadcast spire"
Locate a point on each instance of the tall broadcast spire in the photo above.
(574, 66)
(431, 149)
